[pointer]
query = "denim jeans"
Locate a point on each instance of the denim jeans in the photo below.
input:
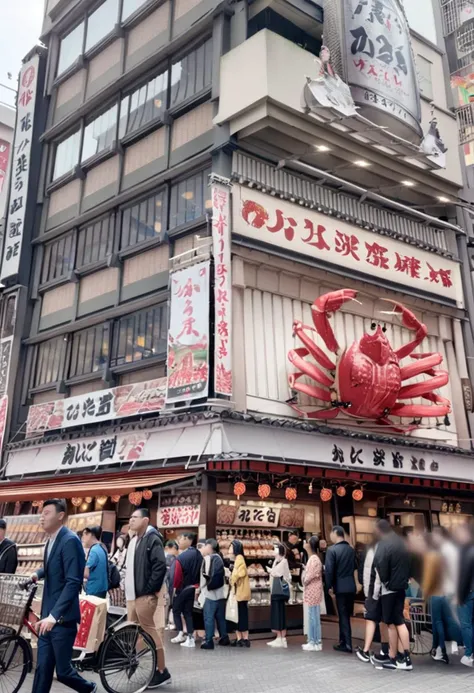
(214, 610)
(466, 612)
(444, 623)
(314, 624)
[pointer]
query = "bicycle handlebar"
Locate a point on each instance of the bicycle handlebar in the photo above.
(26, 585)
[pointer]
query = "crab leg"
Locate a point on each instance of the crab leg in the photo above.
(437, 399)
(394, 427)
(417, 410)
(322, 307)
(295, 356)
(410, 321)
(317, 353)
(320, 414)
(310, 390)
(419, 389)
(423, 364)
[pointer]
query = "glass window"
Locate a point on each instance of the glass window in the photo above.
(131, 6)
(48, 362)
(140, 336)
(144, 220)
(9, 316)
(425, 76)
(192, 74)
(90, 350)
(421, 18)
(58, 259)
(100, 134)
(95, 241)
(101, 22)
(144, 105)
(70, 48)
(67, 155)
(190, 198)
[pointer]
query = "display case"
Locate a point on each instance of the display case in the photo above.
(102, 518)
(30, 539)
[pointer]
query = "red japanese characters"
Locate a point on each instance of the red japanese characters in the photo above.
(366, 380)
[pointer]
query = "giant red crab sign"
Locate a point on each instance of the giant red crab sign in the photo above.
(366, 379)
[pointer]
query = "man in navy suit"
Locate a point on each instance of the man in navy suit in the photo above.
(63, 572)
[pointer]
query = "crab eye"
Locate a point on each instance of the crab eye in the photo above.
(384, 329)
(373, 326)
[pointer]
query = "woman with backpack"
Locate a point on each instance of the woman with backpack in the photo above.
(213, 594)
(239, 581)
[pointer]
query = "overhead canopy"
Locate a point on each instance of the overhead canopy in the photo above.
(90, 485)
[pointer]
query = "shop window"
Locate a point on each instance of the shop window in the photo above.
(131, 6)
(145, 104)
(140, 336)
(95, 241)
(70, 48)
(90, 350)
(425, 77)
(143, 221)
(9, 315)
(100, 134)
(192, 74)
(58, 259)
(48, 362)
(190, 198)
(101, 22)
(66, 155)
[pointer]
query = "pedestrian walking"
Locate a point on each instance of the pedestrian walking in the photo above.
(186, 579)
(213, 595)
(313, 596)
(392, 562)
(464, 538)
(144, 586)
(280, 579)
(171, 553)
(239, 581)
(8, 552)
(63, 573)
(372, 611)
(96, 573)
(339, 573)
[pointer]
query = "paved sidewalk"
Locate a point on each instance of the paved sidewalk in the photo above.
(263, 670)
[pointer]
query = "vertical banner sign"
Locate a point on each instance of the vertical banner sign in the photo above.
(3, 419)
(21, 161)
(221, 240)
(188, 336)
(4, 156)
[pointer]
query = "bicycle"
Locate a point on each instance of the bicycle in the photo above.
(121, 665)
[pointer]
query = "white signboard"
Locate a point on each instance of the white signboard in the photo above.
(21, 161)
(188, 336)
(298, 230)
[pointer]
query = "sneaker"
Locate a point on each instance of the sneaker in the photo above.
(189, 642)
(467, 661)
(404, 662)
(224, 642)
(437, 654)
(389, 664)
(160, 679)
(207, 646)
(309, 647)
(319, 647)
(342, 648)
(284, 643)
(236, 643)
(178, 638)
(245, 643)
(274, 643)
(378, 660)
(454, 648)
(363, 655)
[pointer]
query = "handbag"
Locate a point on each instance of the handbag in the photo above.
(232, 608)
(280, 589)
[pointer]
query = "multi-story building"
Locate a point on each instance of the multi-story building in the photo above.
(195, 138)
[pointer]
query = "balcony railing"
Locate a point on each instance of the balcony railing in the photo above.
(465, 118)
(455, 14)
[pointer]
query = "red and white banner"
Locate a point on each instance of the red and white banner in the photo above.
(95, 407)
(178, 516)
(188, 336)
(4, 157)
(3, 419)
(221, 240)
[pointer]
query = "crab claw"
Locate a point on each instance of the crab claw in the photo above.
(322, 307)
(410, 321)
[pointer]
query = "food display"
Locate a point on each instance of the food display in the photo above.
(30, 559)
(30, 538)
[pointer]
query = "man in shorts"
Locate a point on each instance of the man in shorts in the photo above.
(372, 611)
(392, 563)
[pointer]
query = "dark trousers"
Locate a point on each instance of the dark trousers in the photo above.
(183, 606)
(345, 608)
(214, 611)
(55, 651)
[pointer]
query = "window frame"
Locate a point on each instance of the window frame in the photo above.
(65, 277)
(72, 67)
(106, 326)
(88, 267)
(178, 228)
(147, 243)
(70, 173)
(149, 125)
(63, 343)
(422, 79)
(116, 339)
(103, 153)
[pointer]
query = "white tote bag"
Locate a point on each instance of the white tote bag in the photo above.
(232, 609)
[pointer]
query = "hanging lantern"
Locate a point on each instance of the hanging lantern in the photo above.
(458, 508)
(264, 491)
(147, 494)
(325, 495)
(135, 497)
(76, 502)
(88, 499)
(357, 494)
(102, 500)
(239, 489)
(291, 494)
(115, 499)
(341, 491)
(444, 508)
(84, 507)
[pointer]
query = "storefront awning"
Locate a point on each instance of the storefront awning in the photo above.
(90, 485)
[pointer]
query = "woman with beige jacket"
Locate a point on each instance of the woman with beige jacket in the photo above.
(239, 581)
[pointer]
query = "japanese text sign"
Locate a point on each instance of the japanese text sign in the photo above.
(188, 336)
(95, 407)
(222, 288)
(179, 516)
(21, 161)
(288, 226)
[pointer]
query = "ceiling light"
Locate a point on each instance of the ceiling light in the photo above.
(361, 163)
(323, 148)
(442, 198)
(408, 183)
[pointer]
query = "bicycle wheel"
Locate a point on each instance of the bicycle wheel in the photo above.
(14, 663)
(127, 661)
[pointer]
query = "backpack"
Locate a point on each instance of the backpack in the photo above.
(113, 573)
(215, 579)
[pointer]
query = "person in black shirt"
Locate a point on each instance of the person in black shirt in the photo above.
(8, 552)
(339, 575)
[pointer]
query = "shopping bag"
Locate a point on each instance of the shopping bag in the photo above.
(322, 607)
(91, 630)
(232, 608)
(280, 589)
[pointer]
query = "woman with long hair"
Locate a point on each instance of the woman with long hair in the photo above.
(239, 581)
(313, 596)
(280, 579)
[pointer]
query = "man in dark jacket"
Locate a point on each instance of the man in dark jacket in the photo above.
(8, 553)
(187, 575)
(392, 563)
(144, 586)
(339, 575)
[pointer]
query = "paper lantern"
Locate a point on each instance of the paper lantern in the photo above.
(101, 500)
(76, 502)
(239, 489)
(135, 497)
(147, 494)
(88, 499)
(115, 499)
(341, 491)
(357, 494)
(291, 494)
(325, 495)
(264, 491)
